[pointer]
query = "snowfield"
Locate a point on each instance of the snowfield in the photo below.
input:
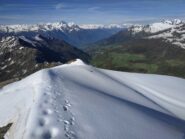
(77, 101)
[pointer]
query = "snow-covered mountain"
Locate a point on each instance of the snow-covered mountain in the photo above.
(62, 26)
(170, 31)
(156, 27)
(70, 32)
(79, 101)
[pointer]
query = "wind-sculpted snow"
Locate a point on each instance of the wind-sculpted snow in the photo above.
(77, 101)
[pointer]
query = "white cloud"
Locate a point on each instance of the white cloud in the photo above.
(93, 8)
(59, 6)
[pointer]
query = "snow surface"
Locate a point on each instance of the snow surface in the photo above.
(79, 101)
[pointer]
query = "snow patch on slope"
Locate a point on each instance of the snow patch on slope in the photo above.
(10, 42)
(27, 40)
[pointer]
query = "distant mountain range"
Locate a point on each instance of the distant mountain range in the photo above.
(70, 32)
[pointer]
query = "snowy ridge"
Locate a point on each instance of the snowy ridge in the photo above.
(101, 26)
(79, 101)
(62, 26)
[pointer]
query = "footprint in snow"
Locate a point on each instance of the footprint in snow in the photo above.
(47, 112)
(43, 121)
(50, 133)
(65, 108)
(70, 135)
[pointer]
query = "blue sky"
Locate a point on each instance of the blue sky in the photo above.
(90, 11)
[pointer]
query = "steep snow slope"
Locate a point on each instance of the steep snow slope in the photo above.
(79, 101)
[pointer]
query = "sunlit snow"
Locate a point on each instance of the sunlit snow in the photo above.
(79, 101)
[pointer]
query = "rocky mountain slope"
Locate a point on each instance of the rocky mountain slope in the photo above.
(21, 56)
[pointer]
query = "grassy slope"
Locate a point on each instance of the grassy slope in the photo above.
(145, 56)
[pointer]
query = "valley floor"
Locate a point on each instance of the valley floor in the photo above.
(79, 101)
